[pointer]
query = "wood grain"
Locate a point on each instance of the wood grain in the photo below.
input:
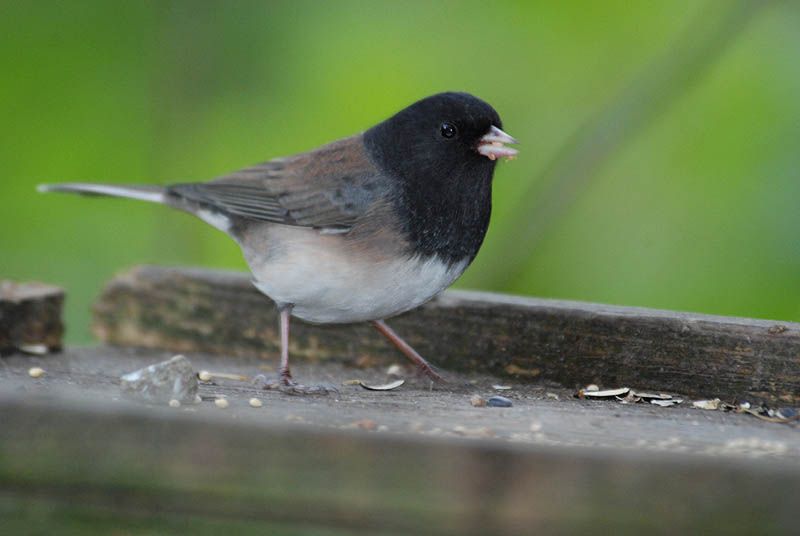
(101, 461)
(30, 314)
(571, 343)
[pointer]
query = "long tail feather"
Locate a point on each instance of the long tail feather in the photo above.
(153, 194)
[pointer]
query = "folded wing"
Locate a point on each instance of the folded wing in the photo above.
(329, 188)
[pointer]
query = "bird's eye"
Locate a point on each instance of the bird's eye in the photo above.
(448, 130)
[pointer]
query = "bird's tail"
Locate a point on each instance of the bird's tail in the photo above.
(153, 194)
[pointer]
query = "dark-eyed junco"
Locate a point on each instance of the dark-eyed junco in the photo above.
(363, 228)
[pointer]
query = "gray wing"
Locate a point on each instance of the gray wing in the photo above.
(328, 188)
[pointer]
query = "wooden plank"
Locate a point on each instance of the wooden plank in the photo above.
(571, 343)
(81, 457)
(30, 316)
(539, 415)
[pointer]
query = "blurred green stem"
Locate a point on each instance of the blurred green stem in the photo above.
(651, 92)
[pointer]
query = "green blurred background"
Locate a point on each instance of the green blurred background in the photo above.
(660, 155)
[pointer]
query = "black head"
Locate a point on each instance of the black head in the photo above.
(442, 152)
(443, 132)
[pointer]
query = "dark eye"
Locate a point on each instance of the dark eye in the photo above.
(448, 130)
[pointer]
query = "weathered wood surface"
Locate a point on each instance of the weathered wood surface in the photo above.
(30, 316)
(571, 343)
(70, 449)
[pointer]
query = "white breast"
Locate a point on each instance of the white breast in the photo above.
(329, 281)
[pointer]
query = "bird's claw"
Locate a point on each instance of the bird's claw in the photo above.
(285, 384)
(427, 371)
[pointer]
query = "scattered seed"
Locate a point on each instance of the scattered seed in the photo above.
(221, 403)
(651, 396)
(174, 403)
(608, 393)
(385, 387)
(394, 370)
(499, 402)
(34, 349)
(207, 376)
(707, 404)
(477, 401)
(255, 403)
(773, 416)
(501, 387)
(36, 372)
(551, 396)
(666, 403)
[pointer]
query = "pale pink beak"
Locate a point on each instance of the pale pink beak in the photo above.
(492, 145)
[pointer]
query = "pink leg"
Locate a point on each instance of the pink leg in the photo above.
(285, 382)
(286, 375)
(407, 350)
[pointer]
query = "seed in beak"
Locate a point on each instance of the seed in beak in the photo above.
(492, 145)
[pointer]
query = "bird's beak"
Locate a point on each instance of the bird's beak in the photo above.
(492, 145)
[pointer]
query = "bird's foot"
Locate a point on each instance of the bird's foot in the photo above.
(285, 384)
(427, 370)
(423, 367)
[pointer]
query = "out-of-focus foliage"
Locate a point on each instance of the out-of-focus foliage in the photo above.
(697, 209)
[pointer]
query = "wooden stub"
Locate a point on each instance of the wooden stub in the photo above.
(30, 316)
(571, 343)
(62, 461)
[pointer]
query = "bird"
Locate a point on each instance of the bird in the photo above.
(360, 229)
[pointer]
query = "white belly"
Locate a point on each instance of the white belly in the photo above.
(344, 284)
